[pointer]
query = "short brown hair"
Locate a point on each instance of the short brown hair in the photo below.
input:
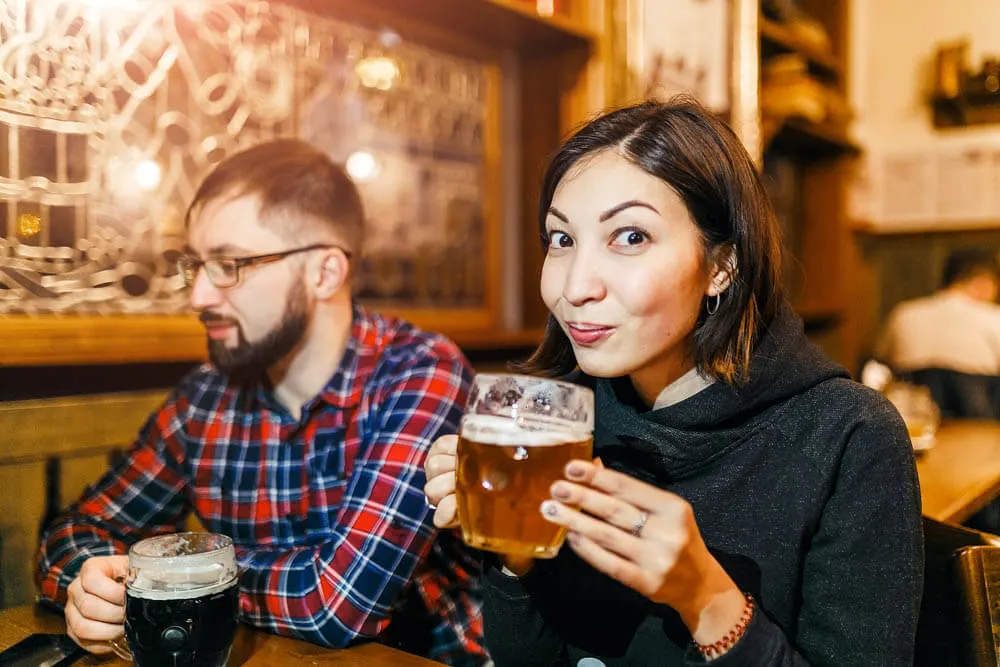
(703, 161)
(296, 183)
(968, 263)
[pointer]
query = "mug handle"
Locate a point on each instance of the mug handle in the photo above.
(120, 647)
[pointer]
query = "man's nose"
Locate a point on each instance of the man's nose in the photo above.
(204, 294)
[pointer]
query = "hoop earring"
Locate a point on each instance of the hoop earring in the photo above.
(712, 304)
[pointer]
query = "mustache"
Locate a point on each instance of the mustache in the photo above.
(213, 318)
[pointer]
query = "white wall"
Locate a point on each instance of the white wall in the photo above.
(892, 61)
(917, 177)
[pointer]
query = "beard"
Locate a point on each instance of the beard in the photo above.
(246, 360)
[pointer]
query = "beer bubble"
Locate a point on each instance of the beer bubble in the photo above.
(494, 480)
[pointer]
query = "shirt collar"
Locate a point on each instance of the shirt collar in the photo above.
(344, 388)
(358, 362)
(682, 388)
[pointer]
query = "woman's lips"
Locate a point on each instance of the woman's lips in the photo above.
(584, 333)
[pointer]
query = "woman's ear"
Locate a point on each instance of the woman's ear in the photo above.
(724, 270)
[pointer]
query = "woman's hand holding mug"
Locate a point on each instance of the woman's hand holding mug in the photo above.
(440, 465)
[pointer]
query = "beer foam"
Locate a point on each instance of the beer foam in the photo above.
(173, 582)
(152, 589)
(181, 566)
(527, 432)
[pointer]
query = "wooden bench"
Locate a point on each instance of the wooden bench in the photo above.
(51, 450)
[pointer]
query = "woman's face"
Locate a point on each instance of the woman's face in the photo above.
(625, 273)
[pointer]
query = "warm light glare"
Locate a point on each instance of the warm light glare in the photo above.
(118, 4)
(148, 175)
(389, 38)
(362, 166)
(117, 10)
(380, 72)
(28, 225)
(545, 7)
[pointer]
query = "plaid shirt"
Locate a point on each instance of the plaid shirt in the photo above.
(327, 512)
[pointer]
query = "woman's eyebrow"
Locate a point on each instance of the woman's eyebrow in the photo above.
(615, 210)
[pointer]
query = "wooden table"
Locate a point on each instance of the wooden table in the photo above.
(961, 474)
(251, 648)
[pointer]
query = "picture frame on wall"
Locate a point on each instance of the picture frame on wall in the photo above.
(704, 48)
(682, 47)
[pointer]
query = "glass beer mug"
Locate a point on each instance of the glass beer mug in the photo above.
(919, 412)
(181, 601)
(516, 437)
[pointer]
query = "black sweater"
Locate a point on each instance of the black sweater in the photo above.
(803, 486)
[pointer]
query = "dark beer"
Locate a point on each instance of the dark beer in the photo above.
(503, 477)
(178, 630)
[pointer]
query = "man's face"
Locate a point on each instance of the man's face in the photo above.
(256, 323)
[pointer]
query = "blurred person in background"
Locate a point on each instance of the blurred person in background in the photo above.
(957, 327)
(950, 341)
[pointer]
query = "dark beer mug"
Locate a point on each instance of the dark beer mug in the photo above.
(181, 600)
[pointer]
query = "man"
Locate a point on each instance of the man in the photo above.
(950, 341)
(957, 328)
(303, 440)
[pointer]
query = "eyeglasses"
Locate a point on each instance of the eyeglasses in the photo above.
(224, 272)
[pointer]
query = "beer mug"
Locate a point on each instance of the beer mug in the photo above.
(516, 437)
(181, 601)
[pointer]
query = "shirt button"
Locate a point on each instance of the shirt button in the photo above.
(590, 662)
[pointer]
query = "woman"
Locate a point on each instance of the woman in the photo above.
(750, 503)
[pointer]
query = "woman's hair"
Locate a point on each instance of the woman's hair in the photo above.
(704, 162)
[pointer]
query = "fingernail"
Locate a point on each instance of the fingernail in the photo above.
(550, 509)
(573, 538)
(575, 471)
(560, 491)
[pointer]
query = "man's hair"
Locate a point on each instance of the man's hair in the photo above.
(301, 191)
(968, 263)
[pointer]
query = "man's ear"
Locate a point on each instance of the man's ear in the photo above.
(330, 274)
(724, 270)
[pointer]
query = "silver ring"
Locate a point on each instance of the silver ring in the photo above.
(427, 501)
(640, 523)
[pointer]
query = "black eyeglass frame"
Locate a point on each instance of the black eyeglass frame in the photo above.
(189, 267)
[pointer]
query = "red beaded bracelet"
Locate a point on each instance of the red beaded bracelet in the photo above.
(721, 647)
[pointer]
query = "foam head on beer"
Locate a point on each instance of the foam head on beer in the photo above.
(170, 566)
(516, 438)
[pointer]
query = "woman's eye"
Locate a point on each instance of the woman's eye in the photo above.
(629, 237)
(560, 240)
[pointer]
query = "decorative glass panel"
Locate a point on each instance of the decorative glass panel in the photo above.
(111, 111)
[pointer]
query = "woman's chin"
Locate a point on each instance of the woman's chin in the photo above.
(594, 366)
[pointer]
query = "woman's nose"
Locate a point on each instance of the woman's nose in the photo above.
(584, 281)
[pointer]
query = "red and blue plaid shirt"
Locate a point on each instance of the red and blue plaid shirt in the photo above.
(327, 512)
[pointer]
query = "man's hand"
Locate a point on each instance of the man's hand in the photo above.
(95, 610)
